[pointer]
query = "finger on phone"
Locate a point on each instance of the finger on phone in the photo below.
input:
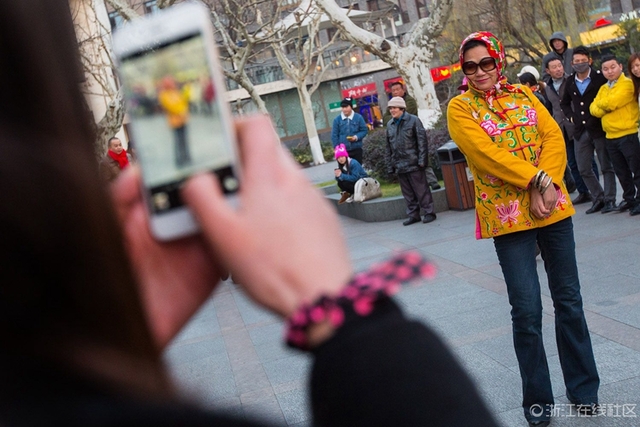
(125, 190)
(202, 193)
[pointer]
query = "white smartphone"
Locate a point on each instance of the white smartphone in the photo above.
(180, 122)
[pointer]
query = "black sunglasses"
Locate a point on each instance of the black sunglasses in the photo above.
(487, 64)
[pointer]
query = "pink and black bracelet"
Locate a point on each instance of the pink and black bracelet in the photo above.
(359, 296)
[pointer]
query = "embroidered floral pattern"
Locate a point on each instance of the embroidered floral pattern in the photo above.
(490, 128)
(532, 115)
(509, 214)
(562, 199)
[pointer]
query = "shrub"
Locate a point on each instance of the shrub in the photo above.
(374, 155)
(375, 144)
(437, 137)
(302, 152)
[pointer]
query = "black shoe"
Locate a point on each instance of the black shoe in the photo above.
(429, 218)
(539, 423)
(582, 198)
(635, 210)
(411, 220)
(609, 207)
(596, 207)
(435, 186)
(624, 206)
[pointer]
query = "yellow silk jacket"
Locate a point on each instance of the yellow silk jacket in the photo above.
(505, 154)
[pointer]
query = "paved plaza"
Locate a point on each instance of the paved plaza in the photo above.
(231, 355)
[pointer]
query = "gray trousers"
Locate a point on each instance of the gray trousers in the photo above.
(416, 192)
(584, 147)
(432, 179)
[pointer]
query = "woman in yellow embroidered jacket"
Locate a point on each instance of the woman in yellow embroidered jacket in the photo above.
(176, 107)
(516, 153)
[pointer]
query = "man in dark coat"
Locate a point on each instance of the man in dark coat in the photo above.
(407, 156)
(581, 89)
(397, 89)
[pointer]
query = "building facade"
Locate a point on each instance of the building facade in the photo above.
(357, 73)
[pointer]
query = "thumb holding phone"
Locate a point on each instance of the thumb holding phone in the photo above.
(265, 243)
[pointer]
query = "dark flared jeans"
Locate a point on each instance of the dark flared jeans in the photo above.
(517, 256)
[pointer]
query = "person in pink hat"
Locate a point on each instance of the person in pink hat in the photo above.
(348, 172)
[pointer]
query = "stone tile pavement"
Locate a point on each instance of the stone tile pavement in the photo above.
(231, 356)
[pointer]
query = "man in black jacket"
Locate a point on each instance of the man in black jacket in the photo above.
(581, 89)
(407, 156)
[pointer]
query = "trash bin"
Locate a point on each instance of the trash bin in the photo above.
(458, 181)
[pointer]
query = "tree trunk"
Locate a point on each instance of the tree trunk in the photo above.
(310, 124)
(413, 66)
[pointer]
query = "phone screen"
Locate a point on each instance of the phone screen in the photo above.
(175, 119)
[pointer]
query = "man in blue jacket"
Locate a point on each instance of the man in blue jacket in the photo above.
(349, 129)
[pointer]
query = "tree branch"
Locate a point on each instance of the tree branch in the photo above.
(123, 8)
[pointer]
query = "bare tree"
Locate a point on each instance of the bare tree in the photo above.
(123, 8)
(300, 37)
(240, 26)
(412, 60)
(100, 86)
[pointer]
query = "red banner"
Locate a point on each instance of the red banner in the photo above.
(441, 73)
(360, 91)
(437, 74)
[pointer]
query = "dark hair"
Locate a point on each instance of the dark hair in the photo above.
(636, 80)
(528, 78)
(608, 57)
(66, 280)
(471, 44)
(396, 84)
(581, 50)
(550, 60)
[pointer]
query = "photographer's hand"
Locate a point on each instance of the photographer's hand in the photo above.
(283, 244)
(175, 277)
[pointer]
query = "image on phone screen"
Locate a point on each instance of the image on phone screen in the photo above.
(176, 123)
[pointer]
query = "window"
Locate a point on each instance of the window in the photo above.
(150, 6)
(372, 5)
(421, 6)
(403, 16)
(616, 6)
(115, 20)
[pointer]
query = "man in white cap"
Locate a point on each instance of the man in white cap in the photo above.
(407, 156)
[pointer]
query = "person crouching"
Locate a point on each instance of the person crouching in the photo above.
(348, 172)
(407, 156)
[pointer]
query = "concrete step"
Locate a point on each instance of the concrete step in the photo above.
(382, 208)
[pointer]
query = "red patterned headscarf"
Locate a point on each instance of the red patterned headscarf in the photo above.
(496, 51)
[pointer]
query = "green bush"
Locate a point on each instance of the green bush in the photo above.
(302, 152)
(375, 146)
(374, 155)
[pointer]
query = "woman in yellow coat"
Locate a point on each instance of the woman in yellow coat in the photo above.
(176, 107)
(516, 153)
